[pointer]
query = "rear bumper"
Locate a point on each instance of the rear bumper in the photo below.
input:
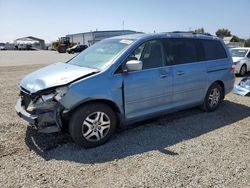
(44, 122)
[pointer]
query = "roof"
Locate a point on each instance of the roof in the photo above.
(168, 34)
(30, 38)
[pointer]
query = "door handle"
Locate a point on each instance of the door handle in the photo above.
(180, 73)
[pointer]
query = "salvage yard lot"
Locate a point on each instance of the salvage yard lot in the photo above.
(189, 148)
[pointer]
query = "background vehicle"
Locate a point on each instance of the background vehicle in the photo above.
(126, 79)
(62, 44)
(243, 87)
(77, 48)
(24, 46)
(241, 59)
(2, 47)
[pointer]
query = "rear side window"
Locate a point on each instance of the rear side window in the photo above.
(181, 51)
(213, 50)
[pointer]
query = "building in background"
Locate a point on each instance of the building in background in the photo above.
(33, 42)
(92, 37)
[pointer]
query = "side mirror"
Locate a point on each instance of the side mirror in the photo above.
(134, 65)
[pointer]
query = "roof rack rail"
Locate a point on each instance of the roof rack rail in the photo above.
(192, 32)
(208, 34)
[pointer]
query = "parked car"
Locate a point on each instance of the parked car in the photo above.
(22, 46)
(243, 87)
(2, 48)
(76, 48)
(125, 79)
(241, 59)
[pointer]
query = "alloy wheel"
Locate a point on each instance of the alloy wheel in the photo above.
(96, 126)
(214, 97)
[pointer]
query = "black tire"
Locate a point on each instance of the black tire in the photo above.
(243, 70)
(209, 105)
(77, 124)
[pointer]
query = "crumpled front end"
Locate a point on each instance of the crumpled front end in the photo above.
(42, 110)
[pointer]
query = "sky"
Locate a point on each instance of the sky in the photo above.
(51, 19)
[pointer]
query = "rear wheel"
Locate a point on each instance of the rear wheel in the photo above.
(92, 125)
(243, 70)
(213, 98)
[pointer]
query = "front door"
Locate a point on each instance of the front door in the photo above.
(148, 91)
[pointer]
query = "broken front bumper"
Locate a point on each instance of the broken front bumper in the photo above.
(46, 122)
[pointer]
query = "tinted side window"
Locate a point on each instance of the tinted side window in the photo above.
(181, 51)
(213, 50)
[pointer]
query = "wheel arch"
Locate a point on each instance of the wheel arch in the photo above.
(109, 103)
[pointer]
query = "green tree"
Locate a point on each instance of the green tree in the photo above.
(200, 30)
(237, 39)
(223, 33)
(247, 43)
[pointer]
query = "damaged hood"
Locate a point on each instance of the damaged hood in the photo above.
(54, 75)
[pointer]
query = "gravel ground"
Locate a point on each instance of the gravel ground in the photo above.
(14, 58)
(185, 149)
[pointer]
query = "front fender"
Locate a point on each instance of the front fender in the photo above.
(97, 87)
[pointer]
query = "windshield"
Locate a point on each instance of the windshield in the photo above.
(238, 52)
(100, 54)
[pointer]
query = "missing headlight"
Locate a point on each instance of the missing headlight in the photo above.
(49, 97)
(41, 106)
(47, 101)
(60, 92)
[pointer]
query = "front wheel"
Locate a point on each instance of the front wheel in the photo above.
(213, 98)
(92, 125)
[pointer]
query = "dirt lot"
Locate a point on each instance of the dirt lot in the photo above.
(185, 149)
(14, 58)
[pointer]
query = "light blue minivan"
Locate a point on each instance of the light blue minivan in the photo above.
(125, 79)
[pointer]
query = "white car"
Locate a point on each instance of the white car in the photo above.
(241, 59)
(2, 48)
(23, 46)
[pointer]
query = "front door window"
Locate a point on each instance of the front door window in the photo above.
(150, 53)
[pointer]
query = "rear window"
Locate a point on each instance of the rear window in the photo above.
(213, 50)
